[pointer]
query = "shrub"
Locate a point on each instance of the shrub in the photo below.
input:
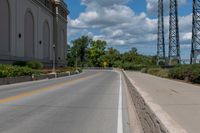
(189, 73)
(60, 70)
(144, 70)
(34, 64)
(126, 65)
(80, 70)
(183, 72)
(118, 64)
(14, 71)
(158, 72)
(195, 76)
(139, 67)
(131, 66)
(178, 73)
(65, 69)
(162, 63)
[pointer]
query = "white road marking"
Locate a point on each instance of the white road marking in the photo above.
(120, 122)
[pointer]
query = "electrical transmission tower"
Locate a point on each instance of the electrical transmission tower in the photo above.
(161, 38)
(195, 32)
(174, 45)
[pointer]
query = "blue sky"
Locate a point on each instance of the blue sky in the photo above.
(126, 23)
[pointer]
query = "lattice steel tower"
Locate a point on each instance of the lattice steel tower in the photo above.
(161, 38)
(174, 44)
(195, 32)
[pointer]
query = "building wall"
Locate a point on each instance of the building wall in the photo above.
(4, 27)
(41, 15)
(62, 41)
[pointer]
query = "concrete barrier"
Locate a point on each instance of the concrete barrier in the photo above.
(45, 76)
(12, 80)
(63, 74)
(153, 118)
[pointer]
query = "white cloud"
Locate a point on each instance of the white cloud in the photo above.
(103, 17)
(187, 36)
(104, 3)
(152, 6)
(119, 25)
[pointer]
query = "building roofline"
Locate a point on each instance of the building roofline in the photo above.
(63, 4)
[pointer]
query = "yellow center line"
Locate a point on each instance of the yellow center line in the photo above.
(40, 90)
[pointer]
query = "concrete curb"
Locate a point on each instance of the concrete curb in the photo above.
(135, 124)
(13, 80)
(153, 118)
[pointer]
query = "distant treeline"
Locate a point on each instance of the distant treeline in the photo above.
(95, 53)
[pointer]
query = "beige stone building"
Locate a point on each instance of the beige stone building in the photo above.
(29, 30)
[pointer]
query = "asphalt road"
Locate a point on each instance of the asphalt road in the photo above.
(91, 102)
(180, 100)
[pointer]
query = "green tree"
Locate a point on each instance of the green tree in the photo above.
(70, 57)
(79, 49)
(112, 55)
(131, 56)
(95, 52)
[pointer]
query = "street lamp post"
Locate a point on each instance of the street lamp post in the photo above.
(54, 59)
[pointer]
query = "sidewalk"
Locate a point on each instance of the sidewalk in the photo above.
(180, 100)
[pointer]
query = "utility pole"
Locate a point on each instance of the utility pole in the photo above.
(54, 48)
(174, 44)
(161, 36)
(54, 58)
(195, 50)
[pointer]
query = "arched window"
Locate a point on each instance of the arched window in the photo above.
(4, 27)
(29, 35)
(46, 41)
